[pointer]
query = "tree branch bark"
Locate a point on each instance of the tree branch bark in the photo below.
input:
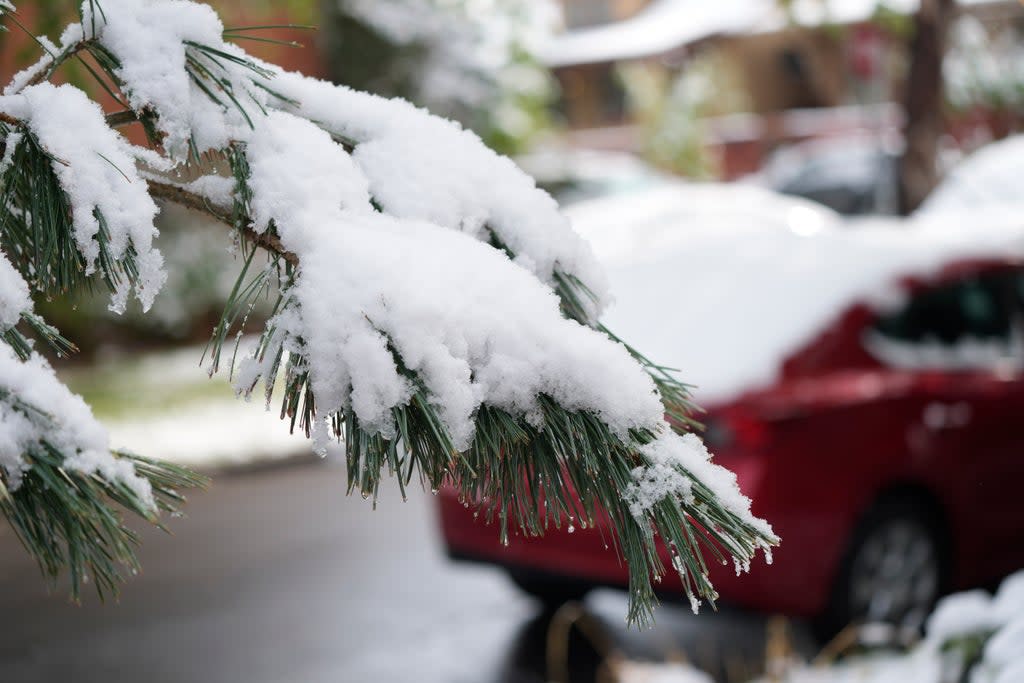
(179, 195)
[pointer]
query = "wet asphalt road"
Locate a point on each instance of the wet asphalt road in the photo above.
(275, 576)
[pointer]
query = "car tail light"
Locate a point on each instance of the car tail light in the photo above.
(735, 429)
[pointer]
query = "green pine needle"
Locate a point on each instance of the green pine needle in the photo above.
(74, 522)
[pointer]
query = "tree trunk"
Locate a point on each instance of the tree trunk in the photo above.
(923, 103)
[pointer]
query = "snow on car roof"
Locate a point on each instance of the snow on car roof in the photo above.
(726, 282)
(669, 24)
(987, 179)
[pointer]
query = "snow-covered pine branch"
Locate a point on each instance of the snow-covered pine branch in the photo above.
(437, 313)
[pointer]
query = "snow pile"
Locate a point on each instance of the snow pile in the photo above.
(988, 180)
(745, 276)
(14, 298)
(996, 621)
(157, 43)
(96, 170)
(425, 168)
(67, 424)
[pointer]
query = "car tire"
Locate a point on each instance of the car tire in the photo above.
(893, 571)
(551, 591)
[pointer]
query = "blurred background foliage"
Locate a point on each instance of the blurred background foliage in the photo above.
(670, 108)
(469, 60)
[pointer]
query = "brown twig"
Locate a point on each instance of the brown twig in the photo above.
(180, 195)
(121, 118)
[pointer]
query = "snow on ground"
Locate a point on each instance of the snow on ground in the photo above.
(997, 620)
(164, 405)
(209, 434)
(699, 271)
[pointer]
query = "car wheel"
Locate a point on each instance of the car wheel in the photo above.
(552, 591)
(893, 571)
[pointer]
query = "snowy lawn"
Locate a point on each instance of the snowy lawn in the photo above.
(165, 406)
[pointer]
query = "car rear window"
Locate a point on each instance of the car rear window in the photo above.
(977, 307)
(971, 323)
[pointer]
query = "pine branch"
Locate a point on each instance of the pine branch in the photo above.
(561, 466)
(73, 522)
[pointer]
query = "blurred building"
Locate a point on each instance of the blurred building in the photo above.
(803, 69)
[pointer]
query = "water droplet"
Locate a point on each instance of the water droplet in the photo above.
(434, 491)
(571, 528)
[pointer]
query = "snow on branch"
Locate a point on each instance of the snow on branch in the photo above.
(111, 210)
(426, 168)
(438, 314)
(37, 410)
(14, 297)
(472, 326)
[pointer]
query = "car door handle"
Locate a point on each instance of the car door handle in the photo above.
(940, 416)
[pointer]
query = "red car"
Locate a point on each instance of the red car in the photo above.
(888, 454)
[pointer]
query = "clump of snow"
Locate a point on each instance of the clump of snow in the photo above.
(425, 168)
(66, 423)
(672, 461)
(150, 38)
(663, 476)
(96, 170)
(1009, 599)
(1005, 648)
(14, 298)
(961, 614)
(741, 275)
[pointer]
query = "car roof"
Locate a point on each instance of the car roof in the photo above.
(727, 299)
(988, 179)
